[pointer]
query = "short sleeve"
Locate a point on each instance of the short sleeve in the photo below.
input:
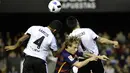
(93, 34)
(69, 59)
(29, 31)
(53, 45)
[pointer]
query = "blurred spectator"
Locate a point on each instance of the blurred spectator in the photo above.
(128, 62)
(1, 43)
(3, 65)
(128, 40)
(106, 35)
(126, 52)
(65, 35)
(125, 69)
(119, 58)
(13, 62)
(2, 53)
(108, 68)
(13, 70)
(9, 41)
(122, 61)
(121, 49)
(121, 37)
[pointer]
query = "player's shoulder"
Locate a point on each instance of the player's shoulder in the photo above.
(38, 26)
(87, 29)
(81, 29)
(35, 26)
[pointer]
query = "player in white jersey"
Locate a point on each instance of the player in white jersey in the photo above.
(88, 44)
(41, 41)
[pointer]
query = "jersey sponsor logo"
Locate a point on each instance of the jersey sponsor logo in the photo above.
(70, 58)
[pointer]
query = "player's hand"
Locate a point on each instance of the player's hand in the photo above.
(10, 48)
(103, 57)
(115, 44)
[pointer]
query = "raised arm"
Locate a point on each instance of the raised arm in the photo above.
(107, 41)
(18, 43)
(102, 40)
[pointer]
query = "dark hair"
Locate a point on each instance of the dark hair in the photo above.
(71, 22)
(56, 24)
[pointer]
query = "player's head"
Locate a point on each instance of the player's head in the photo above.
(72, 22)
(71, 44)
(55, 26)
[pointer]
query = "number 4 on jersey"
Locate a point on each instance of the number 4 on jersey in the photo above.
(38, 42)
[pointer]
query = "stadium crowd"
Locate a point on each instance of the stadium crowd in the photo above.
(119, 62)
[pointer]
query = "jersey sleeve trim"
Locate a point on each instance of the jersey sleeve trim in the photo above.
(61, 67)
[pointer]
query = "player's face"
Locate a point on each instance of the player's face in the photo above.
(73, 48)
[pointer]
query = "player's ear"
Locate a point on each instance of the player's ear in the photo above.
(54, 30)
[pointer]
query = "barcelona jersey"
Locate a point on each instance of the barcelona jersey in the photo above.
(65, 62)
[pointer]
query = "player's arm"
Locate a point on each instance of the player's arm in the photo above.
(102, 40)
(56, 53)
(92, 58)
(20, 40)
(83, 55)
(102, 57)
(54, 48)
(83, 63)
(60, 49)
(18, 43)
(87, 55)
(107, 41)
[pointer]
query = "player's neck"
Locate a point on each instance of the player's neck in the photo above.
(50, 28)
(69, 51)
(76, 27)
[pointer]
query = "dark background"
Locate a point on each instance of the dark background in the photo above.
(110, 15)
(112, 22)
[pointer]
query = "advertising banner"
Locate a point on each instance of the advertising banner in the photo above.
(79, 4)
(67, 5)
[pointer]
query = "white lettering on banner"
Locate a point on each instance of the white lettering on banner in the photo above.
(78, 4)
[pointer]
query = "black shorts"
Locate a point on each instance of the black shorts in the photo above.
(34, 65)
(95, 66)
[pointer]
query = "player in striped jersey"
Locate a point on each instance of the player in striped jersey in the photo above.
(68, 57)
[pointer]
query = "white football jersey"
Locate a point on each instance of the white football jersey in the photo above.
(87, 38)
(40, 42)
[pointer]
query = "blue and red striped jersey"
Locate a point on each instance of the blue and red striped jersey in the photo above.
(65, 62)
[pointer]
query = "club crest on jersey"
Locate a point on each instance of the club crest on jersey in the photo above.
(70, 58)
